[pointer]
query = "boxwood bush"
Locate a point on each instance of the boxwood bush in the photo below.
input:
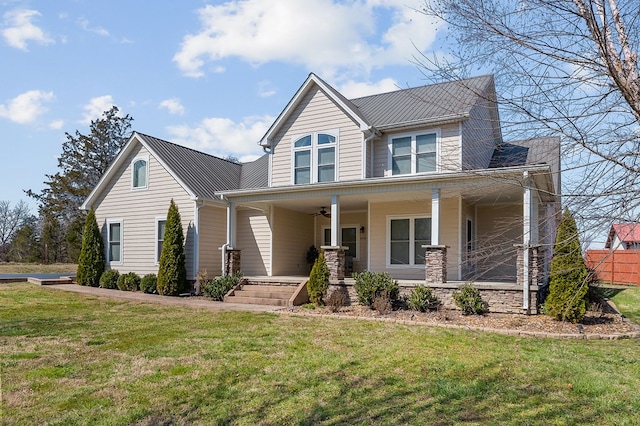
(148, 283)
(370, 285)
(109, 279)
(129, 282)
(422, 299)
(218, 287)
(468, 299)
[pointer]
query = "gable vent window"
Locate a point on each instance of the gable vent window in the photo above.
(314, 158)
(140, 173)
(411, 154)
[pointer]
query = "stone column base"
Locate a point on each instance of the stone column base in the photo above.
(334, 256)
(435, 264)
(231, 261)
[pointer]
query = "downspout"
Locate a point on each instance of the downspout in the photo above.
(372, 134)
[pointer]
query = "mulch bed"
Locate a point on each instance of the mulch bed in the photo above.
(603, 323)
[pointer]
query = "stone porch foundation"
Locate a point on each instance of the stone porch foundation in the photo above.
(501, 297)
(334, 256)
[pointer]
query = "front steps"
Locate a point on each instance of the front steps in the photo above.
(268, 292)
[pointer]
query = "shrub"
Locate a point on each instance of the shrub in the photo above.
(468, 299)
(422, 299)
(369, 285)
(218, 287)
(148, 283)
(109, 279)
(318, 281)
(568, 285)
(337, 299)
(382, 303)
(129, 282)
(172, 272)
(91, 261)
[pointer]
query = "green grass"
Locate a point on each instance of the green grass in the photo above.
(36, 268)
(626, 298)
(68, 358)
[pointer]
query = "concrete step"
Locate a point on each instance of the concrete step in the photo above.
(256, 300)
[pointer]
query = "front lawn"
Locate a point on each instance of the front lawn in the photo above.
(37, 268)
(69, 358)
(626, 298)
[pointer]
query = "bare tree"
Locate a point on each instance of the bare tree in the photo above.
(11, 220)
(567, 68)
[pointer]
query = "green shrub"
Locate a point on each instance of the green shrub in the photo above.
(218, 287)
(109, 279)
(91, 261)
(172, 272)
(422, 299)
(369, 285)
(318, 281)
(568, 284)
(129, 282)
(468, 299)
(148, 283)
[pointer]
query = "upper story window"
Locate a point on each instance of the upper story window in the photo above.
(414, 153)
(140, 173)
(314, 158)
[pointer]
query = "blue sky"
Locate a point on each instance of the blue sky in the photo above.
(209, 75)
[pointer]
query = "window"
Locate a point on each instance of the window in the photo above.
(410, 154)
(314, 158)
(406, 237)
(349, 239)
(139, 172)
(114, 238)
(160, 227)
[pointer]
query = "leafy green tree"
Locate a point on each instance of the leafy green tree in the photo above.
(84, 159)
(172, 272)
(92, 261)
(318, 281)
(24, 246)
(568, 287)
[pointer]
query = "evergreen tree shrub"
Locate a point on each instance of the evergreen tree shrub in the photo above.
(172, 272)
(91, 261)
(370, 285)
(129, 282)
(148, 283)
(468, 299)
(568, 286)
(109, 279)
(318, 281)
(422, 299)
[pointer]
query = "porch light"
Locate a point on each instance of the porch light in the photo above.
(362, 229)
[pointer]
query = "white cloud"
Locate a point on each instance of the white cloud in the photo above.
(56, 124)
(325, 36)
(84, 24)
(222, 136)
(96, 106)
(19, 29)
(173, 106)
(266, 89)
(26, 107)
(353, 89)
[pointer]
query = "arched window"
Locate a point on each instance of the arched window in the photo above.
(314, 158)
(140, 173)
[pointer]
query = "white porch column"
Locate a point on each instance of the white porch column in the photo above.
(435, 217)
(527, 233)
(231, 225)
(335, 221)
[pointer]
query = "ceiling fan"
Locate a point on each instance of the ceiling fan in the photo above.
(323, 212)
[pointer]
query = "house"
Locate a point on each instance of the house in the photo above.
(624, 236)
(619, 262)
(416, 182)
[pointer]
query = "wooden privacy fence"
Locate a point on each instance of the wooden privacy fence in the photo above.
(615, 266)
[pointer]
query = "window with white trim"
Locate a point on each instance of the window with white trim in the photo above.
(314, 158)
(160, 227)
(413, 153)
(405, 238)
(114, 241)
(139, 173)
(350, 240)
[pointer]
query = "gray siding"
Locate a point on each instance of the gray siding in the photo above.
(478, 135)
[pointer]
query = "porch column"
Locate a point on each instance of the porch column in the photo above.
(435, 217)
(231, 225)
(334, 256)
(335, 221)
(435, 264)
(231, 261)
(529, 240)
